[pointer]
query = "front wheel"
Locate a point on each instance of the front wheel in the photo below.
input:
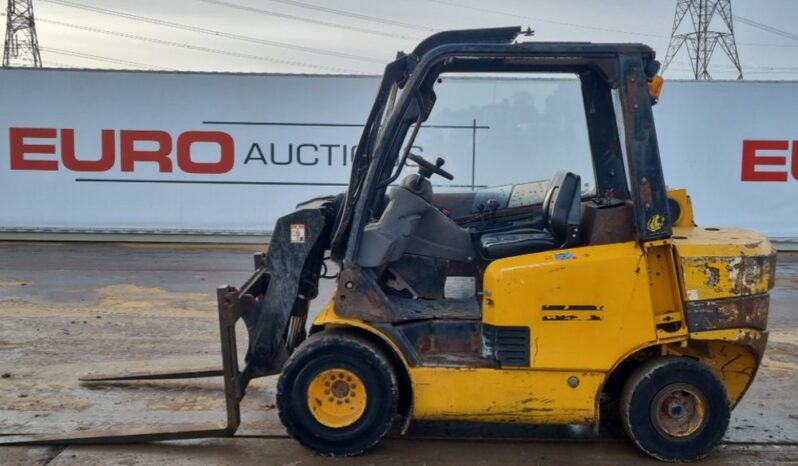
(675, 409)
(337, 394)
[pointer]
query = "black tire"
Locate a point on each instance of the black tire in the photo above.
(320, 353)
(669, 431)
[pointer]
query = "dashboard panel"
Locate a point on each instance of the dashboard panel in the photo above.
(526, 194)
(510, 196)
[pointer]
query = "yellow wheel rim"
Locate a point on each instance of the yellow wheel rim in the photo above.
(337, 398)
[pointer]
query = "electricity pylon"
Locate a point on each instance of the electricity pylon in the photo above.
(22, 46)
(700, 41)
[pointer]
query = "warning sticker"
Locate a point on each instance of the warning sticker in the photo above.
(297, 232)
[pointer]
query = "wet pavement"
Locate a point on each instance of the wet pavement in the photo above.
(72, 309)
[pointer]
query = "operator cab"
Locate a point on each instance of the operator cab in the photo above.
(517, 172)
(428, 228)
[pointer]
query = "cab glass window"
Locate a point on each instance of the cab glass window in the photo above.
(501, 129)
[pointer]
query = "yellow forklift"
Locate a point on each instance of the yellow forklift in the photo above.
(579, 297)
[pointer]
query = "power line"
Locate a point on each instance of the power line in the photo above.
(196, 47)
(680, 66)
(303, 19)
(686, 69)
(773, 68)
(770, 72)
(351, 14)
(308, 65)
(765, 27)
(58, 64)
(583, 26)
(90, 56)
(534, 18)
(190, 28)
(771, 45)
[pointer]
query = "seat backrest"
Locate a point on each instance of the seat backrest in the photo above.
(562, 207)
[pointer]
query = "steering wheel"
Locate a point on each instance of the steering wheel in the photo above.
(426, 168)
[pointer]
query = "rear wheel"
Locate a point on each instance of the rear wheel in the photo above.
(337, 394)
(675, 409)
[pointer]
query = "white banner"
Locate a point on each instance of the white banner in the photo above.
(222, 153)
(732, 145)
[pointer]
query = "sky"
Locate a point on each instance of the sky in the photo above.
(360, 36)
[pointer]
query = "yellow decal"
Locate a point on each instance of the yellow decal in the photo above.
(656, 222)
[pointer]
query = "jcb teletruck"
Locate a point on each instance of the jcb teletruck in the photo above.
(579, 297)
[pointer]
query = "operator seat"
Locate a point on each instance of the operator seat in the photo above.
(561, 215)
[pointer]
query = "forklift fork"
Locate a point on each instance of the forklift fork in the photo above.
(233, 304)
(274, 315)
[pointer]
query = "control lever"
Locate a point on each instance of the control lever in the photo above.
(481, 210)
(491, 208)
(487, 210)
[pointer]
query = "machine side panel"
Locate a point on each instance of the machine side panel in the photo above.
(585, 307)
(495, 395)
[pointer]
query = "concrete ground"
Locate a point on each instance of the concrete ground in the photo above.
(72, 309)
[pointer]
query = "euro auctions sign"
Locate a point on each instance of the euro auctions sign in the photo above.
(779, 165)
(28, 156)
(230, 153)
(172, 152)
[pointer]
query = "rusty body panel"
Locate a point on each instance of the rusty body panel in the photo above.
(735, 354)
(726, 274)
(606, 222)
(361, 297)
(754, 341)
(436, 342)
(735, 312)
(712, 277)
(718, 263)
